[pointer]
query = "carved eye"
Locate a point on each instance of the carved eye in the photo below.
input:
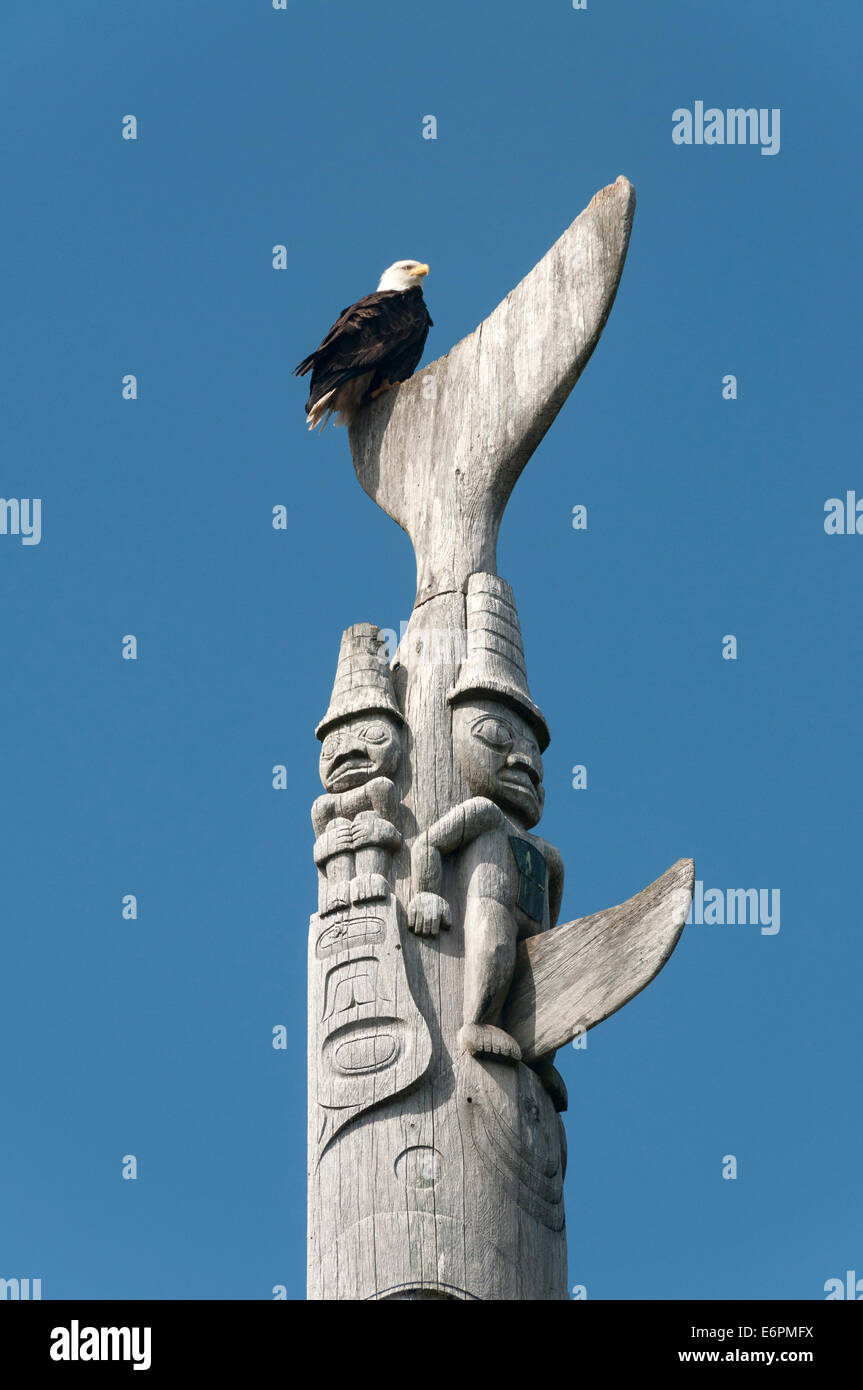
(376, 732)
(495, 733)
(330, 746)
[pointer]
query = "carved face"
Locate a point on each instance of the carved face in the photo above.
(363, 747)
(499, 756)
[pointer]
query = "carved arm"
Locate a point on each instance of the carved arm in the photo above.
(554, 861)
(427, 910)
(378, 795)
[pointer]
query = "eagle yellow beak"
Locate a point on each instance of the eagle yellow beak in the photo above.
(420, 271)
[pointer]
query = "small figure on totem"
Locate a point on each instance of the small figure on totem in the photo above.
(361, 748)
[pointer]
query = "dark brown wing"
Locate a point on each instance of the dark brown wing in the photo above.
(383, 333)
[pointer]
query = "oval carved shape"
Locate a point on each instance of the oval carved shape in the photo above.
(419, 1166)
(369, 1053)
(350, 931)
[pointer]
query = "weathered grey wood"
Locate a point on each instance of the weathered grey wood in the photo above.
(569, 979)
(453, 1189)
(436, 1153)
(442, 453)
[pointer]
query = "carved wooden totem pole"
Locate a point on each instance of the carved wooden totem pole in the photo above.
(440, 984)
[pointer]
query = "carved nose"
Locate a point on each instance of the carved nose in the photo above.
(522, 760)
(351, 748)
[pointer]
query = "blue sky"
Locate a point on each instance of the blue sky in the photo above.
(705, 518)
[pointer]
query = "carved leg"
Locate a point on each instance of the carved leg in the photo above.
(371, 860)
(371, 863)
(489, 960)
(335, 861)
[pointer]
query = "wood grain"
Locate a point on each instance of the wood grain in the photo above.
(573, 977)
(441, 1176)
(442, 453)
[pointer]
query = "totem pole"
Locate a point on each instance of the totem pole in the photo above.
(440, 985)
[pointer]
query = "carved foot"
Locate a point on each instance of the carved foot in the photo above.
(484, 1040)
(367, 888)
(332, 897)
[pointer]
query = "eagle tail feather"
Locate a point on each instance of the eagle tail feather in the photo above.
(319, 408)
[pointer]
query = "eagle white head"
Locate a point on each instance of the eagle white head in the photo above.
(403, 275)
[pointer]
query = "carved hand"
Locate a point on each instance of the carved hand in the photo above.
(377, 795)
(427, 913)
(370, 829)
(367, 831)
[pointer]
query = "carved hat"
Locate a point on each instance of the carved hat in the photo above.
(494, 661)
(363, 682)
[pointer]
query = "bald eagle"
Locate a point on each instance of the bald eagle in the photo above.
(372, 345)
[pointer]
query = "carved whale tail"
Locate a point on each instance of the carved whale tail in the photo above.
(442, 453)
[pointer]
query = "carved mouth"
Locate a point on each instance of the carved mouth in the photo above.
(521, 789)
(348, 763)
(516, 778)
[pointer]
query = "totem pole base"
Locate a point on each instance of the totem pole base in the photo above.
(476, 1214)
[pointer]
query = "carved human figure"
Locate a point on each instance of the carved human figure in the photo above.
(368, 1041)
(361, 747)
(513, 880)
(353, 822)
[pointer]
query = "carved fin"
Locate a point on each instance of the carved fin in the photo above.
(442, 453)
(571, 978)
